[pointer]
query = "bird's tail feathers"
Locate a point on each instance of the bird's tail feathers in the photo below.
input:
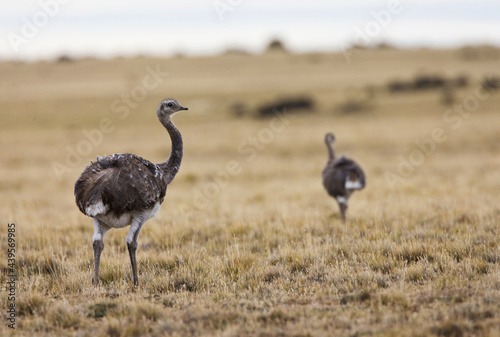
(354, 182)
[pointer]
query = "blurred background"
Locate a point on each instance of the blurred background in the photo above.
(47, 29)
(83, 78)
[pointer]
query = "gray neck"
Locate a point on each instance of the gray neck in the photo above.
(173, 163)
(331, 151)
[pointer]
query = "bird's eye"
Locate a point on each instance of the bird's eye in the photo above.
(170, 104)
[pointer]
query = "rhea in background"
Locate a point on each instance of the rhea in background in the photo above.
(125, 189)
(341, 176)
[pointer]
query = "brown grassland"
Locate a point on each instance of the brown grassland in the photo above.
(261, 251)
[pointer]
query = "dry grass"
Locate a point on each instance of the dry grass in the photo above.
(266, 253)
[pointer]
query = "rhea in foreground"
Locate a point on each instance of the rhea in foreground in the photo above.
(341, 176)
(125, 189)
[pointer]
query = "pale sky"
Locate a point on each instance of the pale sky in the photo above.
(45, 29)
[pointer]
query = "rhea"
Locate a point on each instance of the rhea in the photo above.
(125, 189)
(341, 176)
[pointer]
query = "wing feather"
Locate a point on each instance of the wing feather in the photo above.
(123, 183)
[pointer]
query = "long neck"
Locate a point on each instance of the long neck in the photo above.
(331, 151)
(173, 163)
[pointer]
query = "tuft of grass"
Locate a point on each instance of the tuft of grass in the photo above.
(420, 273)
(361, 297)
(482, 267)
(184, 283)
(271, 274)
(276, 317)
(112, 328)
(411, 253)
(236, 266)
(450, 329)
(112, 274)
(298, 263)
(100, 309)
(43, 264)
(210, 321)
(31, 304)
(146, 311)
(63, 316)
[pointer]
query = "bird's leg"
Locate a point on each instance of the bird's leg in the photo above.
(342, 201)
(98, 247)
(132, 248)
(132, 237)
(98, 244)
(343, 209)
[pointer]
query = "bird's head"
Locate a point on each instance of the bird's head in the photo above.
(168, 107)
(329, 138)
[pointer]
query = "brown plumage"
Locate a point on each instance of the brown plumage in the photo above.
(122, 182)
(125, 189)
(341, 176)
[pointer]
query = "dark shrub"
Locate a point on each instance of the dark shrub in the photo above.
(290, 105)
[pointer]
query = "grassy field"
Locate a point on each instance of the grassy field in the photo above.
(248, 243)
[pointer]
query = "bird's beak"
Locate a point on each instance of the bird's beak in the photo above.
(183, 108)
